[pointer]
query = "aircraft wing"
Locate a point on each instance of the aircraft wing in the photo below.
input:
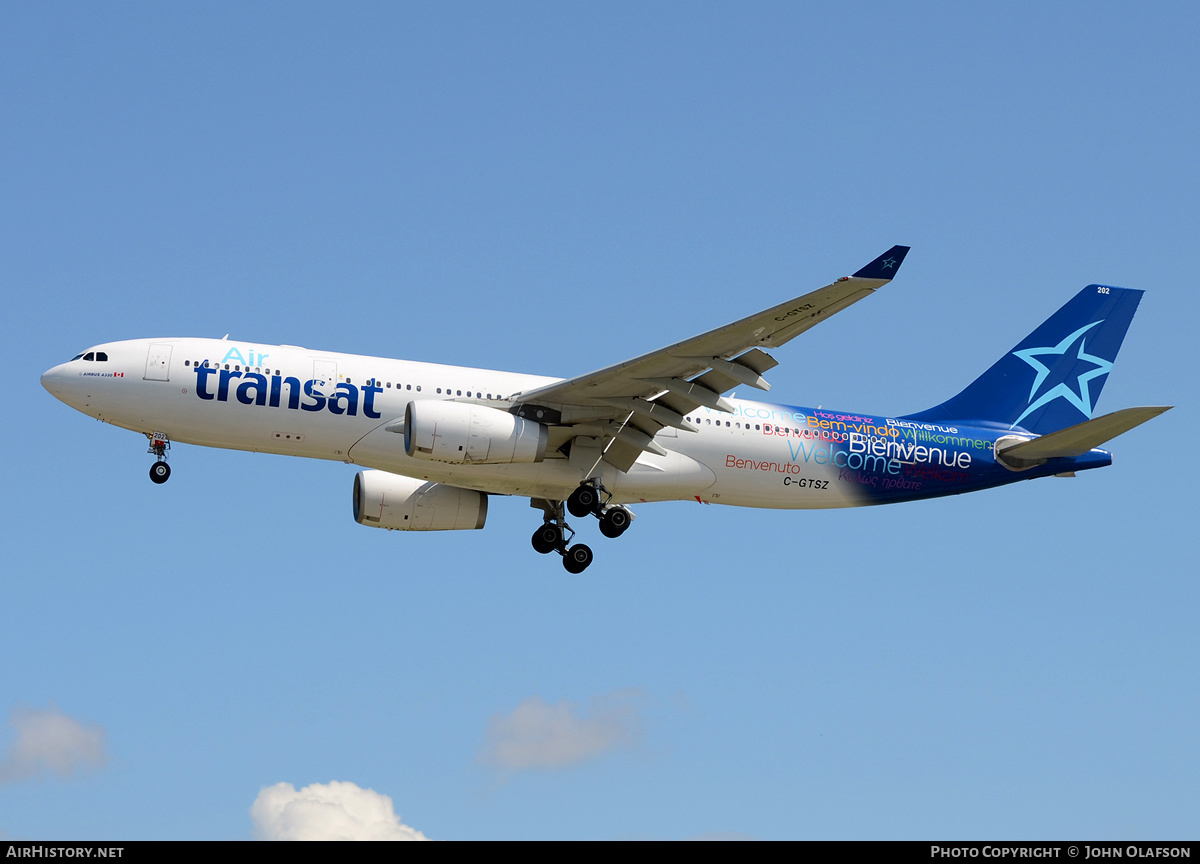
(622, 407)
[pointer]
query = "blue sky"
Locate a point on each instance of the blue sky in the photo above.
(550, 189)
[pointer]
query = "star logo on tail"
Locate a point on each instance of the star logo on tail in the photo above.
(1072, 381)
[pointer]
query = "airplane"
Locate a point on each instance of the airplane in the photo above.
(436, 441)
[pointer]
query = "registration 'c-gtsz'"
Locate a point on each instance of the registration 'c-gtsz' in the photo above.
(438, 440)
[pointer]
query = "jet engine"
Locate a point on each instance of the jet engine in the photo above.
(460, 433)
(383, 500)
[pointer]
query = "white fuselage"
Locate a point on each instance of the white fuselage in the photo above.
(322, 405)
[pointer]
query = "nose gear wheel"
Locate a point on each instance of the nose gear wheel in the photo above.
(160, 471)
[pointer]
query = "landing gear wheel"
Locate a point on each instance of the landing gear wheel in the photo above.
(614, 521)
(578, 558)
(160, 472)
(583, 501)
(547, 538)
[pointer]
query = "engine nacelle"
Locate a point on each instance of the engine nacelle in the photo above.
(383, 500)
(460, 433)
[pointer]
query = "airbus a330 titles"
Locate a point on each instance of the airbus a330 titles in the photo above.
(438, 440)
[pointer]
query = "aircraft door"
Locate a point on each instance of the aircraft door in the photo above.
(158, 362)
(325, 374)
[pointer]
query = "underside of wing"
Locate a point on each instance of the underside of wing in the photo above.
(620, 408)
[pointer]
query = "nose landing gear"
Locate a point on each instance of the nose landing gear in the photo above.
(160, 471)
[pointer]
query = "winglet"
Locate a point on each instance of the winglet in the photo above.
(885, 266)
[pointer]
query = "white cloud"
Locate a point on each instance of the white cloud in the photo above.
(538, 735)
(327, 811)
(49, 741)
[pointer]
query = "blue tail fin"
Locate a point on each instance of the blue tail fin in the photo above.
(1052, 379)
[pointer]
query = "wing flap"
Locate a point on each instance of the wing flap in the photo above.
(621, 454)
(758, 360)
(716, 381)
(677, 404)
(643, 424)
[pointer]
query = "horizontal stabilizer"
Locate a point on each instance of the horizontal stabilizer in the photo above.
(1079, 439)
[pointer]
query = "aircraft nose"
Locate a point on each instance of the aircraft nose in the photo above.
(52, 381)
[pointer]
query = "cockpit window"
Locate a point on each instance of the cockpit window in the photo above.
(91, 355)
(76, 357)
(101, 357)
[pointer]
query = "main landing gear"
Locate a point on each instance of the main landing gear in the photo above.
(555, 533)
(160, 471)
(593, 498)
